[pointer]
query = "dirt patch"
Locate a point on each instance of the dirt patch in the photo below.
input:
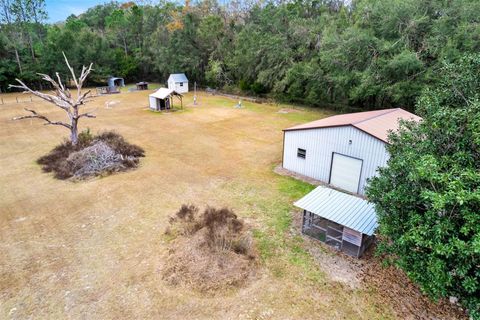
(210, 251)
(92, 156)
(336, 265)
(287, 173)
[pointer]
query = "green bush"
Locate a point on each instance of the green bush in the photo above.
(258, 88)
(244, 85)
(428, 198)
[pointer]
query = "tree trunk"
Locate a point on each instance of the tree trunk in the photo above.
(30, 42)
(18, 60)
(74, 131)
(125, 46)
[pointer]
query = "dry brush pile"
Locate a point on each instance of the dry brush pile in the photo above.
(210, 251)
(92, 156)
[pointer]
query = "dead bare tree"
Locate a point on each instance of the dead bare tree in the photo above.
(63, 99)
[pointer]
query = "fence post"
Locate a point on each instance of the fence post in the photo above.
(16, 99)
(31, 99)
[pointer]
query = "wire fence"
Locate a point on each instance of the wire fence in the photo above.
(18, 99)
(22, 98)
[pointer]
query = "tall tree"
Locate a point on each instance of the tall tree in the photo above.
(117, 22)
(27, 14)
(7, 24)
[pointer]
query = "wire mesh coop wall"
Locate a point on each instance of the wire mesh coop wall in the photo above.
(339, 237)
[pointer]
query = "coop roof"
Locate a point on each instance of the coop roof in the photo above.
(377, 123)
(162, 93)
(178, 77)
(345, 209)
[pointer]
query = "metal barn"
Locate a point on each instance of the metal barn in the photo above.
(344, 150)
(178, 82)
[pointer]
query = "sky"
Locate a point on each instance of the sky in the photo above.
(59, 10)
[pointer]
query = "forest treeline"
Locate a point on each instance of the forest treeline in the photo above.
(366, 54)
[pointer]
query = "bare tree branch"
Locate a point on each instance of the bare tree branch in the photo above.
(60, 81)
(84, 97)
(42, 117)
(87, 115)
(59, 89)
(71, 70)
(83, 77)
(44, 96)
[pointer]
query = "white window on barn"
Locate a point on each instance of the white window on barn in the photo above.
(181, 84)
(301, 153)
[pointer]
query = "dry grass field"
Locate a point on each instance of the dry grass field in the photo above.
(94, 249)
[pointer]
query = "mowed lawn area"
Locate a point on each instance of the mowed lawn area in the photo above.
(95, 249)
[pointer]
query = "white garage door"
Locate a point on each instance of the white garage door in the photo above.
(345, 172)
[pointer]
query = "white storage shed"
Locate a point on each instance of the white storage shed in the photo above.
(342, 150)
(162, 99)
(178, 82)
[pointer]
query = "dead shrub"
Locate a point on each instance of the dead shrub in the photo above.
(92, 156)
(210, 251)
(223, 228)
(94, 160)
(55, 161)
(187, 216)
(187, 212)
(118, 143)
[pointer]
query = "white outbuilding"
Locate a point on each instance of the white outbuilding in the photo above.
(178, 82)
(343, 152)
(162, 99)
